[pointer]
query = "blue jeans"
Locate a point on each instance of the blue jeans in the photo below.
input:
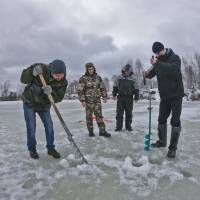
(30, 119)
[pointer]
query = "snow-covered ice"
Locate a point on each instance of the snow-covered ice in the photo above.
(118, 169)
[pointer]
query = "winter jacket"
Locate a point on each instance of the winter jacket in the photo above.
(126, 86)
(169, 77)
(33, 93)
(91, 88)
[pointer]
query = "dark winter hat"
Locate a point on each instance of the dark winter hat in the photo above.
(157, 47)
(57, 67)
(88, 65)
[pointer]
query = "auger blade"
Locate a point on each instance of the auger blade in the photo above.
(147, 148)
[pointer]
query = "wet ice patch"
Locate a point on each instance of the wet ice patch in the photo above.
(86, 170)
(138, 179)
(71, 157)
(141, 166)
(186, 173)
(64, 163)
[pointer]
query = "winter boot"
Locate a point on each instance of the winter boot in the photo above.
(91, 134)
(171, 153)
(117, 129)
(119, 125)
(33, 153)
(53, 153)
(128, 124)
(105, 134)
(129, 128)
(175, 133)
(162, 135)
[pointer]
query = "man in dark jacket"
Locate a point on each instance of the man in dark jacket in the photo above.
(167, 69)
(125, 86)
(35, 100)
(90, 90)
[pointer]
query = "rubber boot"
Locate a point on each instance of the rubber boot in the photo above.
(129, 128)
(91, 134)
(105, 134)
(175, 133)
(162, 135)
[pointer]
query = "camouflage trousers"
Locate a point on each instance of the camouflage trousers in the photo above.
(95, 109)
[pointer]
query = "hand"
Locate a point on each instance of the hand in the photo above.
(47, 89)
(153, 60)
(146, 73)
(83, 103)
(115, 98)
(104, 100)
(37, 70)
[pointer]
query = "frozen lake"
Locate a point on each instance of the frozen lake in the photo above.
(110, 174)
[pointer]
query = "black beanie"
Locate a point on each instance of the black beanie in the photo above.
(157, 47)
(57, 67)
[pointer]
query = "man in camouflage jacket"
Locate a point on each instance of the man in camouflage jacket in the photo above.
(35, 100)
(90, 90)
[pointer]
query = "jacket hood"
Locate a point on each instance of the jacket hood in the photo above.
(128, 68)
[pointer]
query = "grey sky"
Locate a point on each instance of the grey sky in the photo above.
(106, 32)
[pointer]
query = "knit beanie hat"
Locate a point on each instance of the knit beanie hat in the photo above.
(157, 47)
(57, 67)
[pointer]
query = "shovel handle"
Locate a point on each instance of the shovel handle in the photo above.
(44, 84)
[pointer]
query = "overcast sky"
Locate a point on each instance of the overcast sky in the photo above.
(105, 32)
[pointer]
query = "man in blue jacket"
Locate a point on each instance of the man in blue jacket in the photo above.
(167, 69)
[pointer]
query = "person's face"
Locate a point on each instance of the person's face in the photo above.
(91, 71)
(161, 53)
(126, 72)
(58, 77)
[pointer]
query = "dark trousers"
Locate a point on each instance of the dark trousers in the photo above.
(124, 104)
(168, 106)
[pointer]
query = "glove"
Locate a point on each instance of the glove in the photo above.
(37, 70)
(47, 89)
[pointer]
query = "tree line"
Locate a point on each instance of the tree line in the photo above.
(190, 72)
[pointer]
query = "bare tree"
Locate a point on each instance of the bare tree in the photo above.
(6, 87)
(189, 73)
(20, 89)
(72, 88)
(107, 83)
(138, 69)
(114, 77)
(197, 59)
